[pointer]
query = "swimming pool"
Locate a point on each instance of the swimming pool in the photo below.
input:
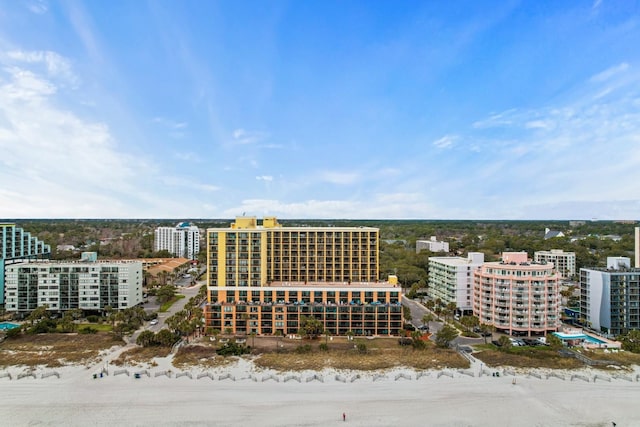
(589, 338)
(7, 325)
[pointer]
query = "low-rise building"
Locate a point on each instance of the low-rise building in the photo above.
(64, 286)
(432, 245)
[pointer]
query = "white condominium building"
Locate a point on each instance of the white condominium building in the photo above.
(432, 245)
(564, 262)
(451, 279)
(70, 285)
(183, 240)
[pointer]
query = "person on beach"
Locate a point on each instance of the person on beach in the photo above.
(344, 417)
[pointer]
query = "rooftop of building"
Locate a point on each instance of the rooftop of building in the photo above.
(311, 285)
(269, 223)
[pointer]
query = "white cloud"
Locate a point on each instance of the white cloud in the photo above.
(267, 178)
(56, 65)
(446, 141)
(340, 178)
(56, 163)
(171, 124)
(495, 120)
(243, 137)
(539, 124)
(609, 73)
(184, 182)
(188, 156)
(395, 206)
(38, 7)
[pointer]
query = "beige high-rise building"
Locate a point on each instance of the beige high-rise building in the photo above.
(265, 278)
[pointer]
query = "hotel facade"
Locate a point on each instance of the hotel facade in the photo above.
(64, 286)
(265, 279)
(517, 296)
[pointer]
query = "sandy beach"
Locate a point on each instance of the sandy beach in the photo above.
(240, 395)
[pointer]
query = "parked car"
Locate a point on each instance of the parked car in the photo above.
(153, 322)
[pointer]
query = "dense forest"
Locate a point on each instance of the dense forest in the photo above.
(592, 241)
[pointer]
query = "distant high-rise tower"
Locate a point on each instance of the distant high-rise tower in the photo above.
(17, 245)
(637, 247)
(183, 240)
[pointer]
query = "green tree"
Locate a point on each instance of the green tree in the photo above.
(450, 309)
(165, 293)
(146, 339)
(631, 341)
(445, 336)
(554, 341)
(406, 313)
(487, 330)
(505, 343)
(311, 327)
(38, 314)
(469, 322)
(416, 340)
(166, 338)
(427, 318)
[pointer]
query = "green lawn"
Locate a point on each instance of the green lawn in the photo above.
(167, 305)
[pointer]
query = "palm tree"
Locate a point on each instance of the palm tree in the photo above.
(427, 318)
(450, 309)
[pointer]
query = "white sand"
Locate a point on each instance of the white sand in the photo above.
(76, 399)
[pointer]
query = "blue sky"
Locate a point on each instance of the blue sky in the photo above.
(320, 109)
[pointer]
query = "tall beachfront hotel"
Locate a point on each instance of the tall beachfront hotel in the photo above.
(266, 278)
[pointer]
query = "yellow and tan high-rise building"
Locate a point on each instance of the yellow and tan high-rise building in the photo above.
(265, 278)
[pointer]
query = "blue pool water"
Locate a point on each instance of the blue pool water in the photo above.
(579, 337)
(7, 325)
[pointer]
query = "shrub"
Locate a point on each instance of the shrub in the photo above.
(87, 330)
(303, 349)
(324, 347)
(232, 349)
(14, 333)
(93, 318)
(361, 347)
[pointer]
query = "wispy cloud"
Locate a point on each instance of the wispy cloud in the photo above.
(38, 6)
(496, 119)
(267, 178)
(446, 141)
(56, 65)
(609, 73)
(185, 182)
(339, 178)
(243, 137)
(171, 124)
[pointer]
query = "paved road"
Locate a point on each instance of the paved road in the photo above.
(152, 305)
(418, 311)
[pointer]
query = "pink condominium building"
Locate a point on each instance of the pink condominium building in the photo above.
(517, 296)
